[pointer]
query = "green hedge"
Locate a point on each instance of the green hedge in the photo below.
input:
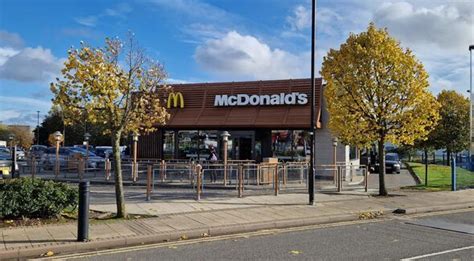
(33, 198)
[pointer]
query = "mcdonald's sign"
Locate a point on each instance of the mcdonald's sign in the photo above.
(177, 98)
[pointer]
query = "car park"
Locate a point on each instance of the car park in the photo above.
(67, 154)
(37, 151)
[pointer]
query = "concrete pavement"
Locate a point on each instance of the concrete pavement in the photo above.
(182, 219)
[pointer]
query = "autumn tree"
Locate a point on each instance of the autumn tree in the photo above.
(23, 137)
(116, 85)
(377, 92)
(452, 132)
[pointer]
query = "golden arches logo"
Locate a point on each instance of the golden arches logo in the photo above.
(177, 98)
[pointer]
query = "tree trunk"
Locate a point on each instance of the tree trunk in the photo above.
(382, 189)
(119, 195)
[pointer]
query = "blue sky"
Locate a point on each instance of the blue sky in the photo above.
(219, 40)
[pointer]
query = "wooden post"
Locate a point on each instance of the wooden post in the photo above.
(107, 169)
(148, 181)
(33, 167)
(199, 181)
(57, 165)
(284, 174)
(240, 187)
(162, 171)
(275, 180)
(80, 168)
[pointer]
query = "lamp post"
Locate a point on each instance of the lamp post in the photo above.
(334, 145)
(86, 142)
(57, 137)
(471, 47)
(134, 165)
(11, 138)
(225, 138)
(37, 129)
(313, 102)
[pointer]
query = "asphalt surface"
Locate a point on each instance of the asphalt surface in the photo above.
(391, 239)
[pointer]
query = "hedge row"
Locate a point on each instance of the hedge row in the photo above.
(33, 198)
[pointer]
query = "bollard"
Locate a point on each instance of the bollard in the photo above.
(240, 186)
(366, 175)
(107, 169)
(199, 181)
(276, 181)
(148, 181)
(339, 179)
(453, 173)
(83, 215)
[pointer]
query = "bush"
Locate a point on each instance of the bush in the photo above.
(35, 198)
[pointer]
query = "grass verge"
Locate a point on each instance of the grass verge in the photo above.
(439, 176)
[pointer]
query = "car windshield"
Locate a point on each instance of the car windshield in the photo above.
(391, 157)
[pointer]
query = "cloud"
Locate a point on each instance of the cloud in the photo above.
(31, 65)
(300, 19)
(90, 21)
(24, 110)
(448, 26)
(119, 11)
(195, 9)
(10, 39)
(245, 56)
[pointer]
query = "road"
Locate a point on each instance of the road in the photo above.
(421, 238)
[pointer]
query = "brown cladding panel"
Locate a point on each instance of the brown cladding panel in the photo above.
(199, 110)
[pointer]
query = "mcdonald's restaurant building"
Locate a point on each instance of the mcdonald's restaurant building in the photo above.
(264, 119)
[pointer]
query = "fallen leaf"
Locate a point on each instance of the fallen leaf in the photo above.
(49, 253)
(295, 252)
(8, 221)
(204, 235)
(172, 247)
(183, 237)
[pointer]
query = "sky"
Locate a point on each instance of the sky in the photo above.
(219, 40)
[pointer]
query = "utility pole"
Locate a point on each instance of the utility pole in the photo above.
(313, 102)
(37, 129)
(470, 106)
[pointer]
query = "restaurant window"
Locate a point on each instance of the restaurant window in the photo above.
(188, 144)
(289, 144)
(168, 145)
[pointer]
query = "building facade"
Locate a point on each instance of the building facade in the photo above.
(264, 119)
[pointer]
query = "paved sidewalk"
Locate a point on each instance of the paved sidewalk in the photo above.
(190, 219)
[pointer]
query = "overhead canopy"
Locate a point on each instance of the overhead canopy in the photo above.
(259, 105)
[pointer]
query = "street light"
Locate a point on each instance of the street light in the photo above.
(225, 138)
(334, 145)
(57, 136)
(86, 142)
(471, 47)
(135, 146)
(313, 103)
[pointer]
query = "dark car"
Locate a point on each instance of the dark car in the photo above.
(392, 164)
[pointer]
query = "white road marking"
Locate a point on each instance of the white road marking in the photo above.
(437, 254)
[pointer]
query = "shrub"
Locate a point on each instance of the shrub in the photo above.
(33, 198)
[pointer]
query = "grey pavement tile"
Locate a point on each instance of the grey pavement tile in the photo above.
(181, 222)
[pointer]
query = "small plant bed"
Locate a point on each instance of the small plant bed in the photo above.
(69, 216)
(439, 177)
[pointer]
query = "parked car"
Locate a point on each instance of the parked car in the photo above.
(392, 164)
(103, 151)
(37, 151)
(20, 154)
(5, 163)
(65, 154)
